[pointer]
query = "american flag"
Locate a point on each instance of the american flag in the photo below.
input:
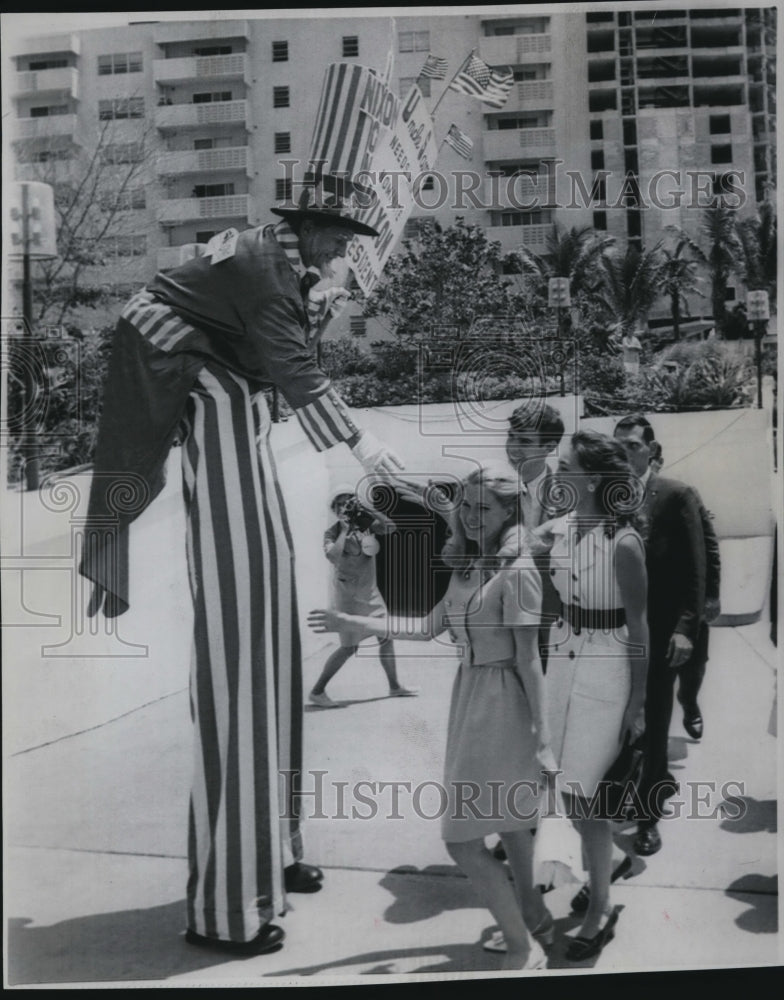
(459, 141)
(477, 79)
(434, 67)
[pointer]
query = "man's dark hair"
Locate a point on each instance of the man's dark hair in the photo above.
(547, 423)
(637, 420)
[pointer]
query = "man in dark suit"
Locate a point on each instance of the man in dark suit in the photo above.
(531, 438)
(678, 538)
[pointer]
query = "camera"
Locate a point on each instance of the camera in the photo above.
(358, 518)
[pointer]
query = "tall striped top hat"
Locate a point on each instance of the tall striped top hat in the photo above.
(330, 198)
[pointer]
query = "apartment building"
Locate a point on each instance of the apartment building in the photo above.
(607, 107)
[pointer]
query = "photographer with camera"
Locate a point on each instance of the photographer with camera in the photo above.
(351, 546)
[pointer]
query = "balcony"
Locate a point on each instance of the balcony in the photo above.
(177, 116)
(176, 210)
(501, 50)
(231, 67)
(45, 45)
(530, 95)
(197, 161)
(199, 31)
(44, 128)
(511, 237)
(169, 257)
(47, 82)
(515, 144)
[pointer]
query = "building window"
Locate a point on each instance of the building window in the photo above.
(120, 62)
(124, 201)
(538, 218)
(40, 64)
(630, 133)
(280, 51)
(283, 189)
(283, 142)
(204, 235)
(597, 130)
(212, 50)
(720, 125)
(125, 246)
(597, 159)
(212, 97)
(414, 41)
(600, 220)
(203, 143)
(721, 154)
(407, 82)
(213, 190)
(350, 46)
(539, 119)
(428, 183)
(47, 155)
(634, 223)
(48, 111)
(280, 97)
(358, 326)
(121, 107)
(123, 152)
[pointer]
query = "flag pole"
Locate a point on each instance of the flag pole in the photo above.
(457, 74)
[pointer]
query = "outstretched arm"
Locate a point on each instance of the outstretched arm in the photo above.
(384, 627)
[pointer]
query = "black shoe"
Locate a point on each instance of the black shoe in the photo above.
(300, 877)
(647, 841)
(582, 899)
(692, 723)
(498, 852)
(583, 948)
(269, 938)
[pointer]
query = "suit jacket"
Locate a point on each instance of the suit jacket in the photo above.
(676, 560)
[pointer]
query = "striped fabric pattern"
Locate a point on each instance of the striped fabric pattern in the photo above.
(435, 68)
(246, 675)
(342, 130)
(489, 85)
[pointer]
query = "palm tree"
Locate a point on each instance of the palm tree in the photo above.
(679, 276)
(631, 283)
(757, 236)
(722, 256)
(575, 254)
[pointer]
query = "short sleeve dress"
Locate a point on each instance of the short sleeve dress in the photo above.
(354, 587)
(588, 676)
(491, 776)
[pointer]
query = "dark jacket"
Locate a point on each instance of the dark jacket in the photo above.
(245, 313)
(676, 560)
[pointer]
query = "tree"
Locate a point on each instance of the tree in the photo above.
(722, 254)
(679, 277)
(575, 254)
(630, 284)
(757, 236)
(448, 278)
(97, 186)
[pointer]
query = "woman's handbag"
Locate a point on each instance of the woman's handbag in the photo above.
(621, 781)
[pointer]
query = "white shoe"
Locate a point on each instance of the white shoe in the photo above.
(323, 700)
(402, 692)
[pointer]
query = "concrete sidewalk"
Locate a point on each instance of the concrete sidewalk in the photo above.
(95, 811)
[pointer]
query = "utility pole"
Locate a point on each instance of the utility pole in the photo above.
(33, 237)
(757, 310)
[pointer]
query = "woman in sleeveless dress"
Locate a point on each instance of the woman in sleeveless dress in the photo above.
(597, 659)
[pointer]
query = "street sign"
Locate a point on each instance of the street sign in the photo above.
(558, 292)
(757, 307)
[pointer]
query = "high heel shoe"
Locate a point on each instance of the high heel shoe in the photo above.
(537, 959)
(583, 948)
(580, 902)
(544, 935)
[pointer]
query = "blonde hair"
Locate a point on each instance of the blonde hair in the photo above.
(506, 486)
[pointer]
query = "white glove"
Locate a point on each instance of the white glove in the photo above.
(374, 456)
(370, 545)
